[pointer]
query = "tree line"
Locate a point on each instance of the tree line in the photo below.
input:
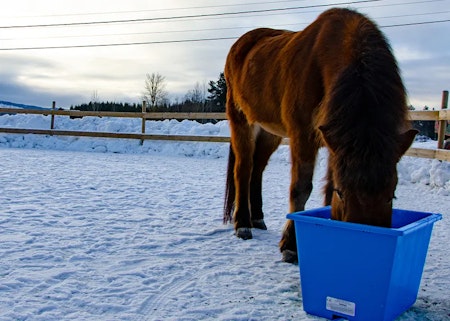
(198, 99)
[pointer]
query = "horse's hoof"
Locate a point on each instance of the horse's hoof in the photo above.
(259, 224)
(244, 233)
(289, 256)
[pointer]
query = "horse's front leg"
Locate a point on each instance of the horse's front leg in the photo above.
(300, 190)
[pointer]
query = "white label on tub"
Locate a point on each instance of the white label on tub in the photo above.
(341, 306)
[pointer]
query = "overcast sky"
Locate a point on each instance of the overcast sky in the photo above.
(419, 32)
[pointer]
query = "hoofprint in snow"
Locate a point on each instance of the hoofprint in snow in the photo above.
(131, 232)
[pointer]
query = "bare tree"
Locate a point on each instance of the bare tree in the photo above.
(155, 90)
(197, 95)
(95, 100)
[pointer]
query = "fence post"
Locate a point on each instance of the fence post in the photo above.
(144, 110)
(52, 123)
(442, 123)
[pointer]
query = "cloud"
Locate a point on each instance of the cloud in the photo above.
(423, 58)
(425, 79)
(116, 74)
(19, 93)
(23, 80)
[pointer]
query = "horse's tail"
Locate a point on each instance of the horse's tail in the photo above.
(230, 189)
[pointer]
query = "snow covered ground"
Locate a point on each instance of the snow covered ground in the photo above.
(105, 229)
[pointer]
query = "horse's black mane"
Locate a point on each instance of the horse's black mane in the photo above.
(365, 109)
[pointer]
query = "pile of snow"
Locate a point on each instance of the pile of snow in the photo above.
(422, 171)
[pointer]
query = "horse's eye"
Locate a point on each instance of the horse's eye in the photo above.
(339, 194)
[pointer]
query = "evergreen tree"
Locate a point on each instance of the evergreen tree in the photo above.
(218, 93)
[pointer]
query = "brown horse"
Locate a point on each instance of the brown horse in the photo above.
(334, 84)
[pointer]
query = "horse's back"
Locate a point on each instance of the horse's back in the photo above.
(250, 41)
(254, 54)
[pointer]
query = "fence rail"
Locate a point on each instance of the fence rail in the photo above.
(145, 115)
(441, 116)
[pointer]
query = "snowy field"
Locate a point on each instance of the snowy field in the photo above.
(105, 229)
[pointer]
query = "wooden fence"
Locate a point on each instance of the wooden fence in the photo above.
(441, 116)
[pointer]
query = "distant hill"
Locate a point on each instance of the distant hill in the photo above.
(9, 104)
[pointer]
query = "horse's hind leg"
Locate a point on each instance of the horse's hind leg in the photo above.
(266, 144)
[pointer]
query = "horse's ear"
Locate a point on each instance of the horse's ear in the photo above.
(406, 139)
(328, 138)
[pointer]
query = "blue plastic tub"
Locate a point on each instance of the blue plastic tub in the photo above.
(361, 272)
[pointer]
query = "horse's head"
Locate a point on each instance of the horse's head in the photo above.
(370, 209)
(364, 182)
